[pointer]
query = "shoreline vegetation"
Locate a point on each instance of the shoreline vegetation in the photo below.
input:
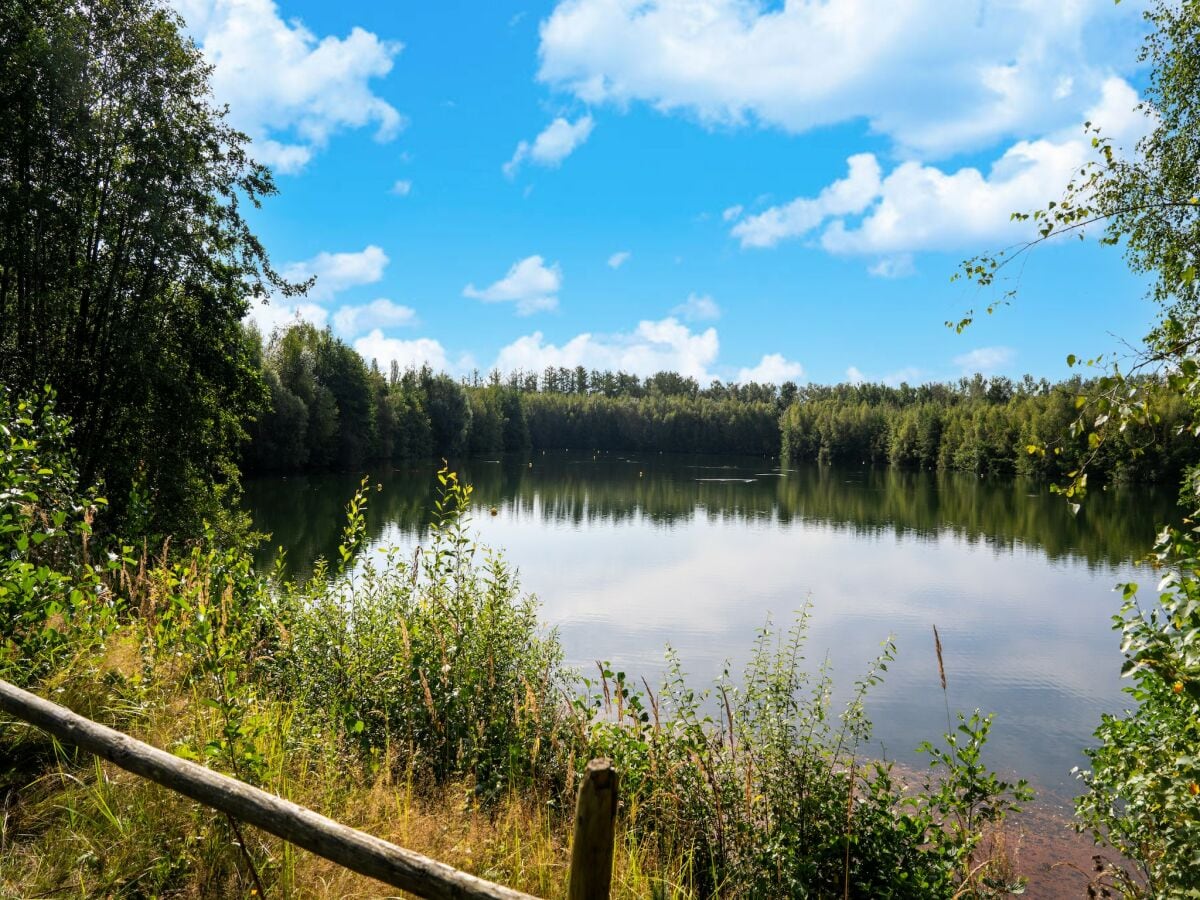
(386, 690)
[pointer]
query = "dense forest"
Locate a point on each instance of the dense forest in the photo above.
(986, 425)
(329, 409)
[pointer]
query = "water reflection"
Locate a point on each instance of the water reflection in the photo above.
(305, 513)
(629, 554)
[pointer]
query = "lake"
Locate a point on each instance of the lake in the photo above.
(630, 553)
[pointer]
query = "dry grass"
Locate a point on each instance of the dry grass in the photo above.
(85, 828)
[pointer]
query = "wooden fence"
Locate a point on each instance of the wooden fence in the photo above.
(591, 847)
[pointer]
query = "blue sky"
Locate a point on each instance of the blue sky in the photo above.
(732, 189)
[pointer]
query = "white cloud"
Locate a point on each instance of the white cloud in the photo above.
(283, 312)
(854, 375)
(619, 259)
(402, 187)
(731, 213)
(772, 369)
(922, 207)
(380, 313)
(530, 284)
(936, 77)
(985, 360)
(851, 194)
(414, 353)
(557, 141)
(666, 345)
(898, 266)
(698, 308)
(289, 89)
(337, 271)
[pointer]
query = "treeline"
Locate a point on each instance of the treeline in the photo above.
(984, 425)
(329, 409)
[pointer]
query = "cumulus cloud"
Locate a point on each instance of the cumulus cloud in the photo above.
(335, 272)
(407, 354)
(530, 284)
(923, 207)
(731, 213)
(557, 141)
(380, 313)
(698, 308)
(985, 360)
(666, 345)
(280, 312)
(851, 194)
(772, 369)
(619, 259)
(937, 78)
(287, 88)
(402, 187)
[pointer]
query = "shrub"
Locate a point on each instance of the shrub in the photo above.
(1143, 787)
(760, 790)
(440, 657)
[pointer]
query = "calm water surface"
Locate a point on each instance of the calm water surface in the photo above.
(630, 554)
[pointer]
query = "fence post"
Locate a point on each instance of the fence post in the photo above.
(592, 843)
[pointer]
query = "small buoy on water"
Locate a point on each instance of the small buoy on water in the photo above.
(495, 512)
(640, 474)
(531, 465)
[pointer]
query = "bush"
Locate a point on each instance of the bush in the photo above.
(441, 657)
(48, 585)
(766, 796)
(1143, 788)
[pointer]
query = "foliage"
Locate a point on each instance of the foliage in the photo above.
(317, 420)
(964, 798)
(48, 584)
(987, 426)
(321, 418)
(759, 786)
(675, 423)
(441, 657)
(1143, 786)
(125, 259)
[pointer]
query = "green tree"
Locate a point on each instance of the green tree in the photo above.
(449, 413)
(126, 264)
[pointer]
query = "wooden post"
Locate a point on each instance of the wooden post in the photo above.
(592, 844)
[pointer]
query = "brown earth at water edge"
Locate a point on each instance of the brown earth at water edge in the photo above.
(1056, 859)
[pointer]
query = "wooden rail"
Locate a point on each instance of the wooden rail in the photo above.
(354, 850)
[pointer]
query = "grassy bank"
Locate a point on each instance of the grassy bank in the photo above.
(419, 697)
